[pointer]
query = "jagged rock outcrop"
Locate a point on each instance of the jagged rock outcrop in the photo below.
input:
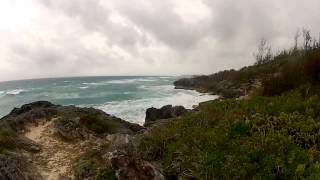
(226, 84)
(28, 113)
(166, 112)
(73, 125)
(38, 111)
(70, 129)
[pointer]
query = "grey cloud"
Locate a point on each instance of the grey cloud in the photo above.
(161, 21)
(130, 37)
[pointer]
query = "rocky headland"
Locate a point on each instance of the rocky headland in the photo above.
(43, 141)
(227, 84)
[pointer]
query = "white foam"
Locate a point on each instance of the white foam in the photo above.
(120, 81)
(126, 81)
(158, 88)
(15, 92)
(166, 77)
(134, 110)
(84, 87)
(64, 95)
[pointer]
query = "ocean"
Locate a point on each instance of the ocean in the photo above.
(124, 97)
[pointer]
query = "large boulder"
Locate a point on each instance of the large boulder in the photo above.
(166, 112)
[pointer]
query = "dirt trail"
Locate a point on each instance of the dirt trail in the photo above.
(54, 161)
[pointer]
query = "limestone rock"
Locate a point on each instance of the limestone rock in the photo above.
(166, 112)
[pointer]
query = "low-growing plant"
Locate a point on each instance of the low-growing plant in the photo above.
(106, 174)
(97, 124)
(83, 169)
(7, 140)
(260, 138)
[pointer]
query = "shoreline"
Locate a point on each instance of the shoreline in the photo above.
(100, 91)
(141, 121)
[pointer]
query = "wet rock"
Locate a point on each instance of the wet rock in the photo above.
(166, 112)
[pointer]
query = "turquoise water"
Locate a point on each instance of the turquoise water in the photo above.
(125, 97)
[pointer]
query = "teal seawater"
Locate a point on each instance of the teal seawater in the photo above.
(125, 97)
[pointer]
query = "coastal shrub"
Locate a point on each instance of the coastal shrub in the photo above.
(96, 124)
(92, 165)
(312, 66)
(7, 140)
(301, 69)
(106, 174)
(240, 129)
(260, 138)
(83, 169)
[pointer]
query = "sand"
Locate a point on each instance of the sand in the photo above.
(55, 160)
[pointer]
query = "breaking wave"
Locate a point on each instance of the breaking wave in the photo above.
(134, 110)
(15, 92)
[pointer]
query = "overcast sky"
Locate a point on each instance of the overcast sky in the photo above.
(56, 38)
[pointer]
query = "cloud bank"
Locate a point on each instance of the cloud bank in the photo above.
(56, 38)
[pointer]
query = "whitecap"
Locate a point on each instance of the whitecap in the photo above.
(15, 92)
(134, 110)
(166, 77)
(83, 87)
(120, 81)
(95, 83)
(65, 95)
(157, 88)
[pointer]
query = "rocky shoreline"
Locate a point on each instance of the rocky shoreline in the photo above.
(226, 84)
(42, 140)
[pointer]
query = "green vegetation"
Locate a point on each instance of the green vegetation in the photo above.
(260, 138)
(97, 125)
(106, 174)
(7, 140)
(275, 134)
(83, 168)
(92, 165)
(282, 72)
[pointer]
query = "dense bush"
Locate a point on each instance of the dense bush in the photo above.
(96, 124)
(92, 165)
(302, 69)
(7, 140)
(261, 138)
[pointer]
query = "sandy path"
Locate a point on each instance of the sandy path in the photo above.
(54, 161)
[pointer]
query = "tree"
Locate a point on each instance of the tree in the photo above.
(296, 41)
(307, 39)
(264, 54)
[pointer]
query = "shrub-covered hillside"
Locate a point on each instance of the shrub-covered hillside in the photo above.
(273, 134)
(281, 72)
